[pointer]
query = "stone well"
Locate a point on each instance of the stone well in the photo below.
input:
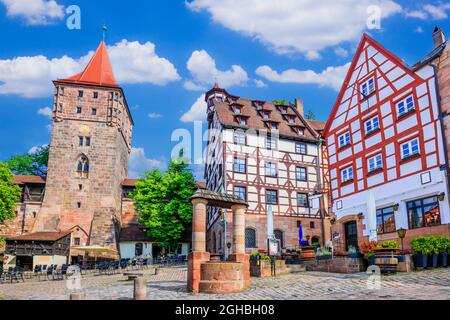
(222, 277)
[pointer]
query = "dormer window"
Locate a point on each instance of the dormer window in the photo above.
(219, 99)
(274, 126)
(260, 106)
(284, 110)
(237, 110)
(405, 106)
(266, 115)
(368, 87)
(291, 119)
(242, 121)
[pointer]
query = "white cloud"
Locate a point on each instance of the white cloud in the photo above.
(331, 77)
(46, 112)
(132, 62)
(205, 73)
(430, 11)
(341, 52)
(154, 115)
(35, 12)
(418, 29)
(36, 149)
(291, 26)
(259, 83)
(197, 111)
(138, 163)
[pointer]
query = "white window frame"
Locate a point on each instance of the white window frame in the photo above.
(366, 89)
(346, 141)
(374, 163)
(239, 138)
(240, 165)
(369, 126)
(271, 169)
(410, 145)
(347, 174)
(406, 109)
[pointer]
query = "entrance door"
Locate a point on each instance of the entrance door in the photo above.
(351, 235)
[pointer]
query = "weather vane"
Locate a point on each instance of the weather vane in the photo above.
(104, 29)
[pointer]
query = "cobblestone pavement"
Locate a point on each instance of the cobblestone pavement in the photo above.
(170, 284)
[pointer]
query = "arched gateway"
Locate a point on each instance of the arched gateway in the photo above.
(215, 276)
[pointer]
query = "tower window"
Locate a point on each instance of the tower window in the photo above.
(95, 95)
(80, 187)
(116, 96)
(78, 205)
(83, 167)
(78, 109)
(88, 141)
(80, 94)
(94, 111)
(61, 91)
(60, 107)
(81, 141)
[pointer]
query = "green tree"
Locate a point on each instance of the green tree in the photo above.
(310, 115)
(162, 201)
(30, 164)
(9, 194)
(281, 102)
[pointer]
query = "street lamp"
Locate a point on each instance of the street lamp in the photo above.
(401, 234)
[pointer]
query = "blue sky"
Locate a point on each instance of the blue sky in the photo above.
(166, 53)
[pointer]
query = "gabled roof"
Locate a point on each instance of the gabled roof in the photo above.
(97, 72)
(389, 55)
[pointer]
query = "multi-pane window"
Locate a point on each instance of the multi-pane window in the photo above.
(239, 137)
(300, 148)
(423, 213)
(239, 165)
(386, 220)
(271, 143)
(240, 192)
(271, 169)
(84, 141)
(410, 148)
(238, 110)
(291, 119)
(266, 115)
(271, 196)
(375, 163)
(250, 238)
(344, 139)
(405, 106)
(347, 174)
(243, 121)
(302, 200)
(300, 174)
(279, 236)
(368, 87)
(372, 125)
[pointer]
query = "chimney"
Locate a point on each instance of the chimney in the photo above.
(438, 37)
(299, 106)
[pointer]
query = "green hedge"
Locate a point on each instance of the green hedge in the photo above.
(430, 245)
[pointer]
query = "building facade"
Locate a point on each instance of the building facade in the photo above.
(384, 137)
(268, 155)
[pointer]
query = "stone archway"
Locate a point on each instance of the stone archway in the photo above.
(209, 276)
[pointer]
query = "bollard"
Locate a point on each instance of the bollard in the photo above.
(140, 288)
(77, 296)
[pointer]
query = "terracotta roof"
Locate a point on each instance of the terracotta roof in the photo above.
(134, 232)
(255, 118)
(129, 182)
(20, 180)
(216, 199)
(41, 236)
(201, 185)
(98, 71)
(316, 125)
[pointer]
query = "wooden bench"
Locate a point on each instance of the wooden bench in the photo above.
(133, 275)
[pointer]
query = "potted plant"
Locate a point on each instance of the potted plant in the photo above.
(420, 248)
(388, 247)
(371, 258)
(323, 254)
(442, 245)
(433, 254)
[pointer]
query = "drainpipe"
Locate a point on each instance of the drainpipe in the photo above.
(319, 177)
(441, 120)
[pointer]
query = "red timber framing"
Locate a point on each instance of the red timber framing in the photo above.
(394, 81)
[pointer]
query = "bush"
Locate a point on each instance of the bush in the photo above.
(368, 247)
(389, 244)
(430, 245)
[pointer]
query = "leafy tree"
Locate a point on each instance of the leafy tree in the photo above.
(31, 163)
(9, 194)
(162, 201)
(310, 115)
(281, 102)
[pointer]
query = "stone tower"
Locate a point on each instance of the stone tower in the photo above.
(90, 144)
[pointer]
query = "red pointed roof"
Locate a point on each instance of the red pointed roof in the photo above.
(98, 71)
